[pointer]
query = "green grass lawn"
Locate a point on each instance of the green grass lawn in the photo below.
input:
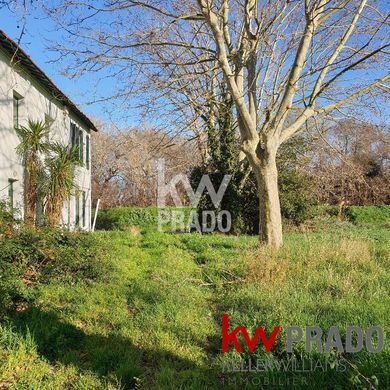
(154, 321)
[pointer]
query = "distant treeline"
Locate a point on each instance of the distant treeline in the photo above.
(345, 162)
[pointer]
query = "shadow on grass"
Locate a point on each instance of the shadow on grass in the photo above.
(115, 358)
(112, 355)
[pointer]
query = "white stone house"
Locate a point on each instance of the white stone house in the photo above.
(27, 93)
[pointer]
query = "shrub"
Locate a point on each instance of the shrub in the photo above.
(31, 256)
(77, 257)
(375, 215)
(122, 218)
(324, 211)
(359, 215)
(7, 220)
(243, 202)
(13, 291)
(295, 202)
(241, 196)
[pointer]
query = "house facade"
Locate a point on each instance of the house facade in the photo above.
(27, 93)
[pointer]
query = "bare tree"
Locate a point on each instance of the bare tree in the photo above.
(351, 164)
(124, 164)
(315, 55)
(285, 63)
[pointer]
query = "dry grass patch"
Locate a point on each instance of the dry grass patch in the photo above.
(134, 230)
(357, 251)
(264, 266)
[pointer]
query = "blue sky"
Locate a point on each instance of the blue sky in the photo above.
(39, 31)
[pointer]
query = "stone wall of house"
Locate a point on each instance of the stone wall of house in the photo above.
(38, 104)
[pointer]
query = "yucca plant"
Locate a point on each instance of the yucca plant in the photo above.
(59, 180)
(33, 144)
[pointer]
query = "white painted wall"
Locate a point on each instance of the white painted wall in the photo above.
(35, 104)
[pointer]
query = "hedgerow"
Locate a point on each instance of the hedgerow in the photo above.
(373, 215)
(121, 218)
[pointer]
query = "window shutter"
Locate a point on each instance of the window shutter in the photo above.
(87, 146)
(73, 134)
(77, 216)
(81, 146)
(84, 207)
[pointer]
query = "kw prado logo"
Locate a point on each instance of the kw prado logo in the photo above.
(373, 339)
(180, 220)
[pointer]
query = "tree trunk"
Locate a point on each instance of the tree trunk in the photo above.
(269, 204)
(31, 190)
(53, 211)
